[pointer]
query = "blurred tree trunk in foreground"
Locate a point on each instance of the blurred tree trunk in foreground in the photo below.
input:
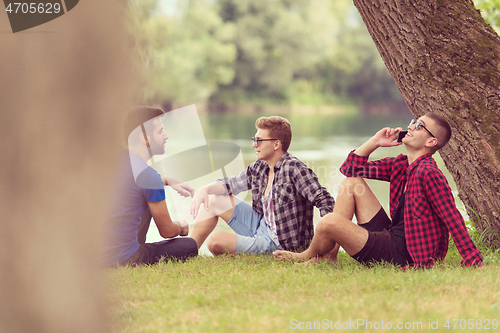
(445, 59)
(64, 86)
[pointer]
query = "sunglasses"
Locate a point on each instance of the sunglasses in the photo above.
(418, 125)
(256, 141)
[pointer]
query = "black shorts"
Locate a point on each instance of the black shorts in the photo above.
(380, 245)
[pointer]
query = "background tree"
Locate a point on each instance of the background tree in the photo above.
(490, 10)
(303, 52)
(252, 52)
(274, 40)
(183, 57)
(355, 71)
(444, 58)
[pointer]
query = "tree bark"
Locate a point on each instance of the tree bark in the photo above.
(445, 59)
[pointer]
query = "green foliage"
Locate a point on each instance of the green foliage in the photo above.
(490, 10)
(274, 39)
(236, 52)
(484, 235)
(303, 52)
(181, 58)
(356, 70)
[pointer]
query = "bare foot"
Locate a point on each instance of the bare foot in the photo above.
(305, 256)
(313, 261)
(287, 255)
(332, 255)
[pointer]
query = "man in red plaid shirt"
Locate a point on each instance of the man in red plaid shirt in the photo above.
(422, 207)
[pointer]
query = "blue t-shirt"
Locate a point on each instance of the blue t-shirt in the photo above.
(135, 185)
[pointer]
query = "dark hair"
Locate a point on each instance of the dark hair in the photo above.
(141, 116)
(279, 128)
(444, 133)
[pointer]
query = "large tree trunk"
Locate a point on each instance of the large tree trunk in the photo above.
(63, 88)
(445, 59)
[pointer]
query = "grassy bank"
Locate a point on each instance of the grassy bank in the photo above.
(256, 294)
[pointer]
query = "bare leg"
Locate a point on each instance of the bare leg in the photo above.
(333, 229)
(222, 242)
(206, 221)
(354, 197)
(201, 230)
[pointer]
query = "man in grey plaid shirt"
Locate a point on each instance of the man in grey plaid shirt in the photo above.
(284, 191)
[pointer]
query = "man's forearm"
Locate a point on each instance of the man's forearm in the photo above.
(367, 148)
(384, 138)
(170, 181)
(215, 188)
(173, 231)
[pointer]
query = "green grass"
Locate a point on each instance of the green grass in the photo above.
(246, 293)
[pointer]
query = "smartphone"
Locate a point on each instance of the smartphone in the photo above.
(401, 135)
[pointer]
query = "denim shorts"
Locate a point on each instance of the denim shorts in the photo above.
(251, 230)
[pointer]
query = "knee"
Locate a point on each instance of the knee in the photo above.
(352, 181)
(353, 186)
(217, 244)
(328, 224)
(191, 247)
(185, 248)
(221, 203)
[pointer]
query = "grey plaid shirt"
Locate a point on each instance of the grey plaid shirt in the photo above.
(295, 191)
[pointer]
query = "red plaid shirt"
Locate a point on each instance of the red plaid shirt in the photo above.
(430, 213)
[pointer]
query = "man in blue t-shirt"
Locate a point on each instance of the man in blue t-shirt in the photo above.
(138, 194)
